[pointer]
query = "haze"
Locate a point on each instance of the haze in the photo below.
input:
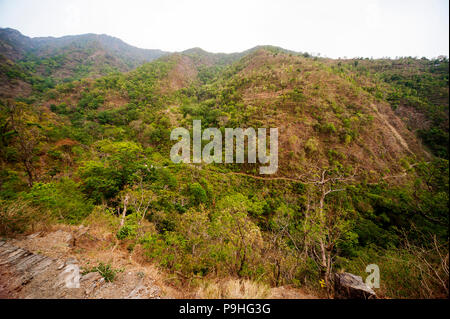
(348, 28)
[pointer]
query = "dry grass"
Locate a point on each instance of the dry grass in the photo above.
(20, 217)
(234, 289)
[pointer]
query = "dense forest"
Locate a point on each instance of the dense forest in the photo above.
(363, 174)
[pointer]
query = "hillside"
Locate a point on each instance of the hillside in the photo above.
(362, 177)
(43, 62)
(416, 89)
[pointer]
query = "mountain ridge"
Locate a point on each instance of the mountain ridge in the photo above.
(38, 43)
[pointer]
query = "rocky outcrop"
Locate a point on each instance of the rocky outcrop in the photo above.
(24, 274)
(349, 286)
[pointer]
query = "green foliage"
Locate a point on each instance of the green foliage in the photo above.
(118, 116)
(421, 84)
(105, 270)
(91, 100)
(63, 200)
(299, 188)
(297, 95)
(209, 221)
(197, 194)
(60, 109)
(437, 140)
(10, 184)
(196, 244)
(406, 272)
(104, 178)
(126, 231)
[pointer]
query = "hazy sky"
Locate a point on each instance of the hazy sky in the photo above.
(333, 28)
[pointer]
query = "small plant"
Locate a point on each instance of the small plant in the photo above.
(126, 231)
(105, 270)
(312, 145)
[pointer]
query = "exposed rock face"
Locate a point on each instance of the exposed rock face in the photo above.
(24, 274)
(349, 286)
(18, 267)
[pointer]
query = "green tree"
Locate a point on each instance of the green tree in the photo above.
(239, 237)
(118, 166)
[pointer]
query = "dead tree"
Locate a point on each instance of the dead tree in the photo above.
(324, 226)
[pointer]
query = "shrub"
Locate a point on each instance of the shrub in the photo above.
(299, 188)
(126, 231)
(10, 184)
(64, 200)
(312, 145)
(329, 128)
(99, 180)
(17, 216)
(406, 272)
(103, 179)
(106, 271)
(197, 194)
(60, 109)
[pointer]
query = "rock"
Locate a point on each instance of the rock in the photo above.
(20, 266)
(61, 237)
(349, 286)
(42, 265)
(91, 281)
(30, 262)
(92, 276)
(69, 277)
(14, 256)
(67, 238)
(79, 233)
(60, 264)
(154, 292)
(71, 261)
(138, 292)
(34, 235)
(24, 274)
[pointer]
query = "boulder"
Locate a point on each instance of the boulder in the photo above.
(349, 286)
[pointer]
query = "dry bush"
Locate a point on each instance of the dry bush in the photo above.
(409, 271)
(432, 267)
(103, 220)
(234, 289)
(19, 216)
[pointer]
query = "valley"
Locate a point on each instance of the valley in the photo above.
(362, 174)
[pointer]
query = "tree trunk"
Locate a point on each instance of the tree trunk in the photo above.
(29, 170)
(124, 212)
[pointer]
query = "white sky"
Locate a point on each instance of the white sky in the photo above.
(367, 28)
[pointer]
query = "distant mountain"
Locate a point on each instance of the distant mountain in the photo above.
(13, 44)
(203, 57)
(28, 64)
(66, 58)
(416, 89)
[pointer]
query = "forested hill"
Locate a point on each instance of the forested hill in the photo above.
(45, 61)
(362, 177)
